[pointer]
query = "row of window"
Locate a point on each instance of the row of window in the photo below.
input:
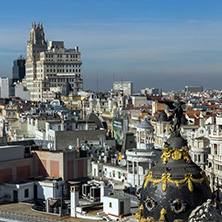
(60, 56)
(69, 65)
(63, 70)
(113, 174)
(197, 158)
(55, 76)
(61, 80)
(56, 85)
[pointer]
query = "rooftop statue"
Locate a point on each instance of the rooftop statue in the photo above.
(176, 116)
(175, 186)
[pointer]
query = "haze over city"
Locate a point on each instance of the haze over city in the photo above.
(111, 111)
(148, 42)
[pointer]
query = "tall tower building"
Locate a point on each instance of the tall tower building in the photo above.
(35, 45)
(51, 66)
(18, 69)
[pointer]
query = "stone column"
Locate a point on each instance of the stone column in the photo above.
(145, 132)
(138, 175)
(133, 173)
(150, 165)
(138, 137)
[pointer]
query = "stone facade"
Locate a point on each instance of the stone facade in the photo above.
(51, 67)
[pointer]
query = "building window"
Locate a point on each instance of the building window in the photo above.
(26, 193)
(205, 158)
(215, 149)
(110, 204)
(195, 158)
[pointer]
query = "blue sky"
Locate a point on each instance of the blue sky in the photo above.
(159, 43)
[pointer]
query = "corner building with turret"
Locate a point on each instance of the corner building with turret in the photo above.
(50, 67)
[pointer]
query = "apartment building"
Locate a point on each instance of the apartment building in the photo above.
(51, 67)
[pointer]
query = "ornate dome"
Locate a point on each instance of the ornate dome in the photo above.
(145, 125)
(175, 186)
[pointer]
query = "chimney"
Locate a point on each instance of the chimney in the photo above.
(74, 197)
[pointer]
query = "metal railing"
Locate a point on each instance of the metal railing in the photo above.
(121, 193)
(22, 217)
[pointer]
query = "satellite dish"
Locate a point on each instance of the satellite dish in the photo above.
(122, 162)
(49, 145)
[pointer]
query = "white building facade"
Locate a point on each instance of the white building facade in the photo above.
(4, 87)
(214, 168)
(51, 67)
(125, 86)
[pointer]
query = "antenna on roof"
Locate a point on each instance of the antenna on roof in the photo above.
(97, 83)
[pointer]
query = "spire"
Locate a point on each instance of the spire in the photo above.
(37, 35)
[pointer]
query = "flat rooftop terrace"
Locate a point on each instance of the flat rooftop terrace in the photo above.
(24, 210)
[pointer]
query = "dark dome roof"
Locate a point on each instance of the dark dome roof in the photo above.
(93, 117)
(145, 125)
(175, 141)
(163, 117)
(175, 185)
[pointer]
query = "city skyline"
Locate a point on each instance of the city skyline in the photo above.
(149, 43)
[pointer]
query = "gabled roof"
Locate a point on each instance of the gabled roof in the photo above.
(145, 125)
(93, 117)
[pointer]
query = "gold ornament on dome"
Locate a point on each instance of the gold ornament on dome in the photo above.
(176, 154)
(162, 215)
(163, 212)
(140, 218)
(166, 178)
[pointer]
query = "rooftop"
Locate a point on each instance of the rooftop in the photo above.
(118, 197)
